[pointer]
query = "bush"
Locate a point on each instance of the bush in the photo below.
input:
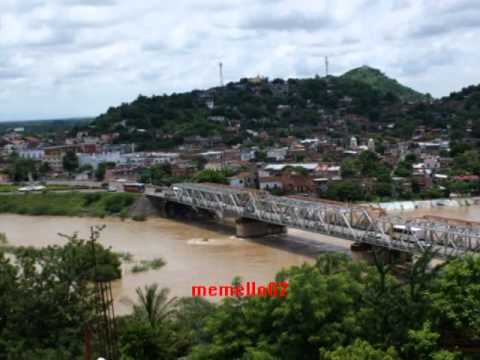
(146, 265)
(124, 214)
(92, 198)
(3, 239)
(139, 268)
(139, 218)
(157, 263)
(114, 204)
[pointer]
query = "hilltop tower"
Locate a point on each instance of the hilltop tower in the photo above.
(220, 66)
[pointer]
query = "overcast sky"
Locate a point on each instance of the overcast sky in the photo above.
(67, 58)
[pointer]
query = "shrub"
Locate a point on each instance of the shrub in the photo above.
(139, 268)
(157, 263)
(3, 239)
(123, 214)
(92, 198)
(125, 256)
(139, 218)
(114, 204)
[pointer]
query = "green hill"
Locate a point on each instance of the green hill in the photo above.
(379, 81)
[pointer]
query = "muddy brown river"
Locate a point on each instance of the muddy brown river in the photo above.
(190, 259)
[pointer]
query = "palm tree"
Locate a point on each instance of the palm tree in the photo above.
(153, 304)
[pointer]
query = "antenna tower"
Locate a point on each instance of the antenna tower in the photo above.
(220, 66)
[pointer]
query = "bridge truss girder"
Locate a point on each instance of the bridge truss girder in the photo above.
(354, 223)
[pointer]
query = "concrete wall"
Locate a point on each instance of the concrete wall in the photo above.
(396, 206)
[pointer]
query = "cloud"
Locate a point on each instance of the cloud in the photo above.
(291, 21)
(95, 3)
(11, 74)
(78, 57)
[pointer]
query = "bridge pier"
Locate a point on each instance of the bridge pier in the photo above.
(367, 253)
(249, 228)
(362, 252)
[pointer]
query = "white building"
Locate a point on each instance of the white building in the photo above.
(275, 168)
(247, 154)
(242, 180)
(270, 183)
(212, 155)
(277, 154)
(353, 143)
(210, 103)
(371, 144)
(96, 159)
(32, 154)
(163, 158)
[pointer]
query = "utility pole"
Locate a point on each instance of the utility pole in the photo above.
(326, 66)
(105, 322)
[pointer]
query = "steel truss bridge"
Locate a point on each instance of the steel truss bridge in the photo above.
(356, 223)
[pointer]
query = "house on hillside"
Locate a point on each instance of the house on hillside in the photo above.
(242, 180)
(270, 183)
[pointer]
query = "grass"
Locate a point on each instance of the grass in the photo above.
(125, 257)
(139, 217)
(68, 204)
(146, 265)
(139, 268)
(7, 188)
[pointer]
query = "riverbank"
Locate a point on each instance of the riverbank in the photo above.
(12, 188)
(401, 206)
(68, 204)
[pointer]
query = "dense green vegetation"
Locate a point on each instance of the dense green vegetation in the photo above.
(20, 169)
(68, 204)
(37, 127)
(335, 309)
(46, 298)
(279, 107)
(292, 107)
(162, 175)
(376, 79)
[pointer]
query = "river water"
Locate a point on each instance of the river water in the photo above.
(190, 260)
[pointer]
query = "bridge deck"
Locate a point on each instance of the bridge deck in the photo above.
(351, 222)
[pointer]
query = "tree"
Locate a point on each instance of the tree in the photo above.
(44, 169)
(349, 168)
(48, 299)
(21, 169)
(317, 313)
(368, 163)
(70, 161)
(158, 175)
(138, 340)
(213, 176)
(360, 350)
(457, 294)
(102, 168)
(149, 333)
(404, 169)
(345, 191)
(153, 304)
